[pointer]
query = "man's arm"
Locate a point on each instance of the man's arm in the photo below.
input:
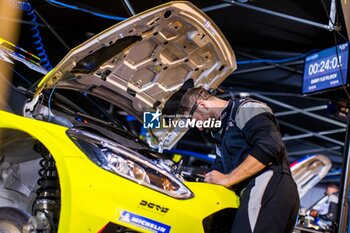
(249, 167)
(261, 132)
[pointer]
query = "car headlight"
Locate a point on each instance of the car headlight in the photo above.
(126, 168)
(127, 163)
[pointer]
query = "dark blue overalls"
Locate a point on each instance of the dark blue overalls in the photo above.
(269, 199)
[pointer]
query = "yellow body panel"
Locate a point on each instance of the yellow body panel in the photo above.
(91, 197)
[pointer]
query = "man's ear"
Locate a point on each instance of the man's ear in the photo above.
(202, 104)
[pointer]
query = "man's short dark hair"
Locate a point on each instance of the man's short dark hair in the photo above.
(190, 98)
(333, 185)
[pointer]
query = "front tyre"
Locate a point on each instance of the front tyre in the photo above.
(12, 220)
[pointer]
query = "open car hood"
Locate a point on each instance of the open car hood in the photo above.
(309, 171)
(140, 63)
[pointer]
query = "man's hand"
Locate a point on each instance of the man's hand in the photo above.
(249, 167)
(216, 177)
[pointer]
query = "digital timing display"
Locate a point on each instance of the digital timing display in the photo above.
(322, 69)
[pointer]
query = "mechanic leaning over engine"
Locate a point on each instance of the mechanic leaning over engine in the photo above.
(251, 159)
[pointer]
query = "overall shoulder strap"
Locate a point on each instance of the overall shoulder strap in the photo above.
(236, 104)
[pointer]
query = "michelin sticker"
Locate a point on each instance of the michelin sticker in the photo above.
(146, 223)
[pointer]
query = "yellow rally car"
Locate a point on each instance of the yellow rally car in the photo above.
(65, 171)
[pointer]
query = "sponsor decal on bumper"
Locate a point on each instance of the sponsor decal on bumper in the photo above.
(146, 223)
